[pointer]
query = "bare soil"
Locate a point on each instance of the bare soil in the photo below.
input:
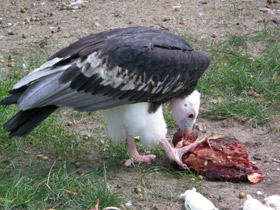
(27, 24)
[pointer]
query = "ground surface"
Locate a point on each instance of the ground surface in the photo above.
(63, 23)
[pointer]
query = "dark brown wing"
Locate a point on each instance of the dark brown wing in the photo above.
(137, 64)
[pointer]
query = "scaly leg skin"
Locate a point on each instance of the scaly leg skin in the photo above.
(134, 153)
(176, 154)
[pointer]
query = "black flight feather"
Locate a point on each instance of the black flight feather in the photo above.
(25, 121)
(69, 74)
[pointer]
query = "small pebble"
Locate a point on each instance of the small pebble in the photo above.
(11, 64)
(83, 5)
(85, 135)
(257, 157)
(128, 162)
(166, 19)
(201, 127)
(59, 158)
(177, 9)
(128, 204)
(45, 158)
(23, 36)
(137, 190)
(40, 156)
(259, 193)
(69, 123)
(78, 164)
(11, 33)
(22, 10)
(80, 172)
(200, 177)
(2, 61)
(242, 195)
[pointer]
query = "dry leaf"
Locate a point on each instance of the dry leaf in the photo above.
(253, 93)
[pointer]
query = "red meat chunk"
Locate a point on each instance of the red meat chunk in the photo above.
(220, 157)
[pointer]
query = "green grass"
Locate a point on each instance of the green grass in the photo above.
(56, 188)
(244, 87)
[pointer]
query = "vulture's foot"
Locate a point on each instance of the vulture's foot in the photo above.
(148, 159)
(135, 156)
(176, 154)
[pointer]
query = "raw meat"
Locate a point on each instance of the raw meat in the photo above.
(220, 157)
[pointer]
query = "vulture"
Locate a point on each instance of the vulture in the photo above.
(127, 73)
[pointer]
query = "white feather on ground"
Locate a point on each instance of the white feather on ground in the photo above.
(196, 201)
(273, 202)
(254, 204)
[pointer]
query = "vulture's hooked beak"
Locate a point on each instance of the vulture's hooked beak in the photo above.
(185, 125)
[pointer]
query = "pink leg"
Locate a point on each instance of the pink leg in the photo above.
(176, 154)
(96, 206)
(134, 153)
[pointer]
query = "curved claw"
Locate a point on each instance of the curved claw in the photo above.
(135, 156)
(144, 158)
(148, 159)
(176, 154)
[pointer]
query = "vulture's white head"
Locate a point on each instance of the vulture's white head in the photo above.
(185, 110)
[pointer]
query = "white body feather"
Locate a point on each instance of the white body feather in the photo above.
(196, 201)
(254, 204)
(273, 202)
(151, 127)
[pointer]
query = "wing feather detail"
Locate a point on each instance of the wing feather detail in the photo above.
(115, 67)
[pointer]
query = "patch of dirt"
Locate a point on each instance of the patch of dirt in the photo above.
(27, 23)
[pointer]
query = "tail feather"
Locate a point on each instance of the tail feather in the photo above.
(25, 121)
(13, 98)
(10, 100)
